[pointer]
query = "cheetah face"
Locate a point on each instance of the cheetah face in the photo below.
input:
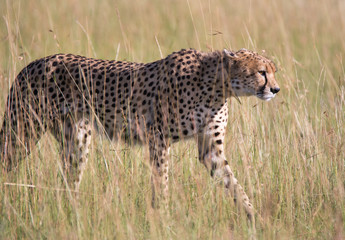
(252, 75)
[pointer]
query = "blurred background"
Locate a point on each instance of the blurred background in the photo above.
(289, 153)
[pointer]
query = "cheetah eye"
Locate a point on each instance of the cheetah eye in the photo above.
(262, 73)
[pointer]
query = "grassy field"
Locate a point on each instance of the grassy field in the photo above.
(289, 153)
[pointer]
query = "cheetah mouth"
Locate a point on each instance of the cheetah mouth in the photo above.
(265, 96)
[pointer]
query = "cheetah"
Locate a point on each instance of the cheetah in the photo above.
(182, 96)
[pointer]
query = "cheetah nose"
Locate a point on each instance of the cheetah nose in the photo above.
(275, 90)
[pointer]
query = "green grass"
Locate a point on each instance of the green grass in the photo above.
(289, 153)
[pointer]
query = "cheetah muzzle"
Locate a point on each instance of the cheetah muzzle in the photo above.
(178, 97)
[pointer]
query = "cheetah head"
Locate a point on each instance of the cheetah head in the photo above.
(251, 74)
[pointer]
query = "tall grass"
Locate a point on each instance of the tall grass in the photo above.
(288, 153)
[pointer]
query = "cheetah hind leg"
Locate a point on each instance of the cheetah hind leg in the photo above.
(159, 151)
(18, 136)
(75, 138)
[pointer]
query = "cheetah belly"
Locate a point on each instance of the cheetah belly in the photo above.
(128, 126)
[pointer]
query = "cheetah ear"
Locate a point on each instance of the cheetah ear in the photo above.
(242, 50)
(229, 53)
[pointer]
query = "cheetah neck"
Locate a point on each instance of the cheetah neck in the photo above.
(216, 77)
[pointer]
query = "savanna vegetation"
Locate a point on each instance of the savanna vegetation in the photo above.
(289, 153)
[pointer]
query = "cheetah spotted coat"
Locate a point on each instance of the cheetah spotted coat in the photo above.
(180, 96)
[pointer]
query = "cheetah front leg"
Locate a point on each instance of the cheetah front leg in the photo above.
(211, 154)
(159, 151)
